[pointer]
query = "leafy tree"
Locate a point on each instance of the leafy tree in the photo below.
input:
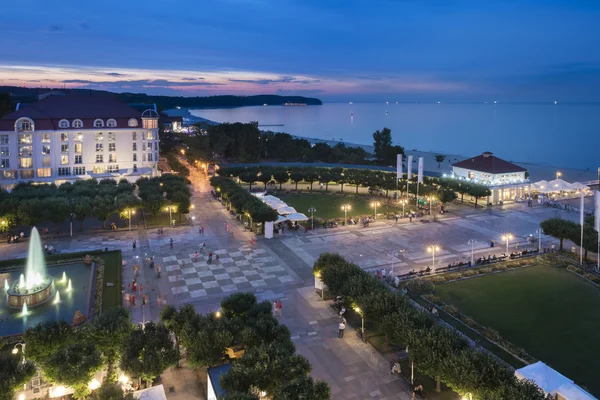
(382, 140)
(109, 332)
(30, 212)
(148, 352)
(5, 104)
(310, 176)
(74, 366)
(47, 338)
(154, 204)
(560, 229)
(296, 177)
(303, 388)
(281, 176)
(264, 177)
(206, 339)
(102, 208)
(479, 191)
(82, 207)
(111, 391)
(175, 321)
(445, 195)
(439, 158)
(56, 210)
(248, 178)
(13, 375)
(238, 304)
(326, 176)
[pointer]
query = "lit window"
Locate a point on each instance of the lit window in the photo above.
(64, 171)
(78, 159)
(24, 125)
(111, 136)
(46, 138)
(99, 169)
(149, 135)
(44, 172)
(98, 123)
(132, 122)
(3, 139)
(99, 158)
(45, 149)
(4, 163)
(150, 124)
(63, 123)
(133, 135)
(112, 157)
(134, 156)
(77, 123)
(25, 151)
(64, 148)
(113, 168)
(4, 152)
(78, 137)
(64, 137)
(46, 161)
(99, 136)
(112, 147)
(111, 123)
(64, 160)
(99, 148)
(78, 170)
(25, 162)
(78, 148)
(9, 174)
(134, 146)
(25, 138)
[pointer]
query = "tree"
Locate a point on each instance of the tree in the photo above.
(248, 178)
(382, 140)
(74, 366)
(175, 321)
(82, 207)
(326, 176)
(109, 332)
(30, 212)
(102, 208)
(310, 176)
(281, 176)
(206, 339)
(303, 388)
(479, 191)
(47, 338)
(439, 158)
(56, 210)
(154, 204)
(264, 176)
(297, 177)
(13, 375)
(560, 229)
(148, 352)
(112, 391)
(445, 195)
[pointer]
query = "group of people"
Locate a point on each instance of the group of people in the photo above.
(15, 238)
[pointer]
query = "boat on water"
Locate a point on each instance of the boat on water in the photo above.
(294, 104)
(350, 103)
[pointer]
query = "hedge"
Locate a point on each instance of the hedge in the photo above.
(242, 201)
(435, 349)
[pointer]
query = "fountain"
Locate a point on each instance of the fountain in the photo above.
(24, 309)
(69, 287)
(57, 298)
(35, 286)
(6, 287)
(64, 277)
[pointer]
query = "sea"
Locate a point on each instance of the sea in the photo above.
(563, 135)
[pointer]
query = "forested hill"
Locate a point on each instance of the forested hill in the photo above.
(29, 95)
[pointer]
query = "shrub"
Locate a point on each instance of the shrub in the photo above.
(470, 272)
(420, 286)
(492, 334)
(499, 268)
(450, 309)
(438, 279)
(486, 270)
(453, 276)
(592, 277)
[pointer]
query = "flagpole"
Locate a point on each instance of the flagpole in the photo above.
(581, 221)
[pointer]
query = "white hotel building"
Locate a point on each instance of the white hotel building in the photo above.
(63, 138)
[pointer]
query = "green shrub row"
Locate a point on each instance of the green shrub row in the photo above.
(581, 272)
(242, 201)
(176, 165)
(467, 273)
(435, 349)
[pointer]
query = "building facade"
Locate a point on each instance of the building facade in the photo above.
(66, 138)
(507, 181)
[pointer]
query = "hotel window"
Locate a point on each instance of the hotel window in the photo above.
(64, 148)
(78, 148)
(99, 148)
(25, 151)
(112, 157)
(143, 146)
(25, 162)
(26, 174)
(98, 123)
(99, 136)
(149, 156)
(143, 156)
(99, 169)
(111, 136)
(64, 137)
(64, 171)
(45, 149)
(134, 167)
(99, 158)
(113, 168)
(111, 123)
(24, 126)
(112, 147)
(77, 123)
(134, 156)
(4, 152)
(78, 159)
(149, 135)
(63, 123)
(3, 139)
(46, 162)
(133, 135)
(44, 172)
(78, 170)
(46, 137)
(78, 137)
(64, 160)
(132, 123)
(9, 174)
(134, 146)
(25, 138)
(4, 163)
(150, 124)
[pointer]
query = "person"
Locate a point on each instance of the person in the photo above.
(210, 257)
(132, 298)
(135, 269)
(410, 217)
(196, 257)
(396, 368)
(384, 273)
(275, 308)
(279, 307)
(145, 299)
(134, 244)
(397, 218)
(127, 297)
(134, 286)
(418, 389)
(341, 328)
(397, 281)
(217, 257)
(171, 242)
(492, 244)
(158, 269)
(342, 311)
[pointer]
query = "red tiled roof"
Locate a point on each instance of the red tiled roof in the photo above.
(47, 112)
(489, 163)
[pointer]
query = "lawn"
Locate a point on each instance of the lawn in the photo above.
(553, 314)
(111, 296)
(329, 206)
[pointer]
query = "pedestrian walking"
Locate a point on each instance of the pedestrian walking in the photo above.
(342, 312)
(341, 328)
(196, 257)
(134, 244)
(279, 308)
(132, 298)
(200, 230)
(158, 270)
(171, 242)
(145, 299)
(136, 268)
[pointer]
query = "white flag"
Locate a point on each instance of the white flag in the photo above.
(420, 170)
(597, 211)
(409, 172)
(581, 211)
(399, 166)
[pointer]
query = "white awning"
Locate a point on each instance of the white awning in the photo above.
(281, 218)
(297, 217)
(286, 210)
(558, 185)
(542, 375)
(270, 198)
(571, 391)
(579, 186)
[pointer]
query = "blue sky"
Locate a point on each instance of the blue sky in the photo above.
(352, 50)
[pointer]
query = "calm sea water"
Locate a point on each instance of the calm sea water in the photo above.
(562, 135)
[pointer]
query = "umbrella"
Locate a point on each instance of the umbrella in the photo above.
(270, 197)
(286, 210)
(297, 217)
(281, 218)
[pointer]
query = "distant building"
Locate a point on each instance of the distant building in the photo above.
(506, 180)
(171, 124)
(65, 138)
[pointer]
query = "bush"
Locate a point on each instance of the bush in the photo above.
(420, 286)
(453, 276)
(499, 268)
(470, 272)
(486, 270)
(592, 277)
(492, 334)
(450, 309)
(436, 279)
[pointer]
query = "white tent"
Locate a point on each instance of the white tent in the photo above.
(270, 198)
(558, 185)
(571, 391)
(579, 186)
(281, 218)
(542, 375)
(286, 210)
(297, 217)
(540, 186)
(153, 393)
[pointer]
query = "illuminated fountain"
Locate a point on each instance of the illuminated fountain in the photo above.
(35, 286)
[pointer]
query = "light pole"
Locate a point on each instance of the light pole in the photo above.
(539, 232)
(508, 237)
(375, 204)
(346, 207)
(15, 350)
(71, 216)
(130, 211)
(312, 212)
(433, 249)
(430, 199)
(558, 174)
(472, 243)
(362, 318)
(393, 255)
(403, 202)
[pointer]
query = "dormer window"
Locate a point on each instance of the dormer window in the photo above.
(132, 123)
(111, 123)
(78, 123)
(24, 125)
(98, 123)
(63, 123)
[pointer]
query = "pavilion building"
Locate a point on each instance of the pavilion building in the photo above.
(506, 181)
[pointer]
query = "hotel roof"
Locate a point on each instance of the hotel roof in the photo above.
(489, 163)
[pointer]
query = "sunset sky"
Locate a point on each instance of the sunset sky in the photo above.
(354, 50)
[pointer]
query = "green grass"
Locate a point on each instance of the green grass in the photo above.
(111, 296)
(329, 206)
(553, 314)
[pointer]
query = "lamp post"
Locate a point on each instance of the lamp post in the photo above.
(15, 350)
(171, 209)
(362, 318)
(558, 174)
(430, 199)
(433, 249)
(393, 255)
(375, 204)
(130, 211)
(539, 232)
(508, 237)
(312, 212)
(403, 202)
(346, 207)
(71, 216)
(472, 243)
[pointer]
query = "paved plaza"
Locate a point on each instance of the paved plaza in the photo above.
(281, 269)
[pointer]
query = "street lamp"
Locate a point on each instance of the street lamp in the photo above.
(15, 350)
(558, 174)
(508, 237)
(472, 242)
(375, 204)
(346, 207)
(129, 212)
(312, 212)
(430, 199)
(71, 216)
(403, 202)
(362, 318)
(393, 255)
(539, 231)
(171, 209)
(433, 249)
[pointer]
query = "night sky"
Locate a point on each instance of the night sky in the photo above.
(360, 50)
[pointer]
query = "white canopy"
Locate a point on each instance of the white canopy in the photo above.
(540, 186)
(281, 218)
(297, 217)
(271, 198)
(571, 391)
(579, 186)
(558, 185)
(286, 210)
(153, 393)
(542, 375)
